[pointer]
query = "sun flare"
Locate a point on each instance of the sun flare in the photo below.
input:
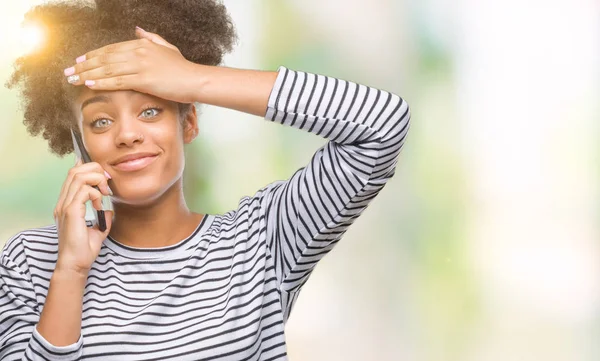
(32, 37)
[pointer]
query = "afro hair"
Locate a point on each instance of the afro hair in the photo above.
(201, 29)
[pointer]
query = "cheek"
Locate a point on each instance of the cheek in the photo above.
(101, 149)
(169, 142)
(165, 136)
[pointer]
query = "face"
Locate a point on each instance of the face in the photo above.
(117, 124)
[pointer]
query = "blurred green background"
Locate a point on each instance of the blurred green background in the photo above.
(484, 246)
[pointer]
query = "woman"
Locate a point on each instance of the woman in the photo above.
(162, 281)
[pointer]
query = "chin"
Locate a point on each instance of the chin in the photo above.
(138, 193)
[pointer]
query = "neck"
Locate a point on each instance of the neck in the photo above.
(163, 222)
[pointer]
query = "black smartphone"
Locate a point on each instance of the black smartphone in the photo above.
(85, 157)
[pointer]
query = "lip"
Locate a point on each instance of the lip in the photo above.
(136, 163)
(133, 156)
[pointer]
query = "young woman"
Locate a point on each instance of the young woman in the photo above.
(162, 281)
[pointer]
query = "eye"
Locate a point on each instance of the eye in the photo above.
(150, 112)
(101, 123)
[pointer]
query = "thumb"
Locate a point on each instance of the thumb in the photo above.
(155, 38)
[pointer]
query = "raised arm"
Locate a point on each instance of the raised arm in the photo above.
(308, 213)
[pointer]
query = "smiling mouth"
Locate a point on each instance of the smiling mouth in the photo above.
(135, 164)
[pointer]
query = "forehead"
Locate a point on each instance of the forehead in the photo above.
(88, 96)
(115, 95)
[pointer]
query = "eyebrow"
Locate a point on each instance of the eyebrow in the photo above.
(96, 99)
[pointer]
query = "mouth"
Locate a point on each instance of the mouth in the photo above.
(135, 164)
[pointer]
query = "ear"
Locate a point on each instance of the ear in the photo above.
(190, 125)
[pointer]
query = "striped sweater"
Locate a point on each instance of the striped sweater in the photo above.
(226, 291)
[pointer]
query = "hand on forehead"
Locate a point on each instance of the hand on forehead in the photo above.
(148, 65)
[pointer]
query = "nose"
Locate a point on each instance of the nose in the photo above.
(130, 131)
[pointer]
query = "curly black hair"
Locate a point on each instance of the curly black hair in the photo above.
(201, 29)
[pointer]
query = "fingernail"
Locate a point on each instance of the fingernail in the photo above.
(137, 27)
(69, 71)
(80, 59)
(107, 175)
(72, 79)
(90, 82)
(110, 191)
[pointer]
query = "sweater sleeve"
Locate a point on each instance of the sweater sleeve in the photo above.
(308, 213)
(19, 315)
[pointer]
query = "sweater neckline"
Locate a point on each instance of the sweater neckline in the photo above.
(160, 252)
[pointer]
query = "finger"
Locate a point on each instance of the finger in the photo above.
(88, 174)
(84, 194)
(62, 193)
(97, 62)
(112, 48)
(96, 197)
(65, 187)
(88, 167)
(107, 71)
(120, 82)
(155, 38)
(87, 179)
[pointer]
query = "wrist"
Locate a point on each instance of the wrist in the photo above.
(198, 80)
(238, 89)
(62, 272)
